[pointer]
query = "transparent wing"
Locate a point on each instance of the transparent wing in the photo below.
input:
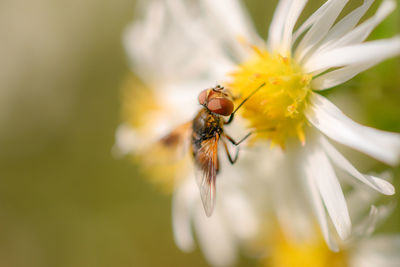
(206, 162)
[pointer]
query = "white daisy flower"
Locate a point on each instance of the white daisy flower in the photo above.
(320, 54)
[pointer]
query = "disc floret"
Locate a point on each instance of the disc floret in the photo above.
(275, 111)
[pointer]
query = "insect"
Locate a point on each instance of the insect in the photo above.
(203, 135)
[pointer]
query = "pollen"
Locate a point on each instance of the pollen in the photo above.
(276, 111)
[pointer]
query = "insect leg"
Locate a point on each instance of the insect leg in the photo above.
(236, 143)
(231, 160)
(241, 104)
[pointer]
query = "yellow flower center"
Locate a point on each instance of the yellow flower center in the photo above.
(276, 110)
(142, 111)
(311, 253)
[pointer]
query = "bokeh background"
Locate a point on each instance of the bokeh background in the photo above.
(64, 200)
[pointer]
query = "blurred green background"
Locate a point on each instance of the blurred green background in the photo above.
(64, 200)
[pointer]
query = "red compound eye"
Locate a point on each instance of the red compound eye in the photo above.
(203, 97)
(221, 106)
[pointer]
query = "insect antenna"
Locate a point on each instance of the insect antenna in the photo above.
(244, 101)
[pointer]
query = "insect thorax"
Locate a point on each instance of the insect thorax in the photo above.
(205, 126)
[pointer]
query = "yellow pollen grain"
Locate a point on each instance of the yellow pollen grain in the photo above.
(280, 104)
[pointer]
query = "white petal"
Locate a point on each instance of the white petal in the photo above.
(293, 14)
(339, 76)
(381, 250)
(161, 43)
(320, 169)
(311, 20)
(148, 31)
(384, 212)
(232, 16)
(277, 24)
(362, 31)
(126, 140)
(320, 28)
(346, 24)
(376, 183)
(182, 205)
(359, 200)
(210, 32)
(215, 239)
(367, 227)
(316, 202)
(241, 215)
(229, 22)
(325, 116)
(357, 35)
(288, 200)
(374, 51)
